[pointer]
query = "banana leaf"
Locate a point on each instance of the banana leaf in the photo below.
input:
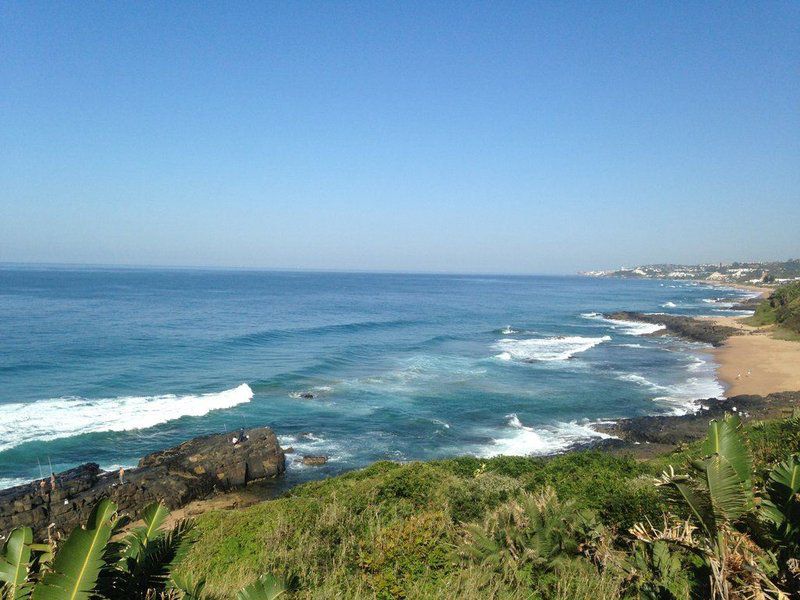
(726, 438)
(79, 560)
(15, 561)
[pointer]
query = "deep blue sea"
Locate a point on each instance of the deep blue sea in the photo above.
(109, 364)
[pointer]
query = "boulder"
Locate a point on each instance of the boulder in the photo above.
(175, 476)
(315, 460)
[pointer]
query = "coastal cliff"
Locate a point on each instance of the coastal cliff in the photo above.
(175, 476)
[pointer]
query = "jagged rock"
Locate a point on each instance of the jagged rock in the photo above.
(697, 330)
(676, 429)
(315, 460)
(175, 476)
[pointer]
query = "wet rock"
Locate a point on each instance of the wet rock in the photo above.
(696, 330)
(675, 430)
(315, 460)
(175, 476)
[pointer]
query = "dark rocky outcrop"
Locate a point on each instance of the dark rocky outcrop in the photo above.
(669, 431)
(747, 304)
(696, 330)
(176, 476)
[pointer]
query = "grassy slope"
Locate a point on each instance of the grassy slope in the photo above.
(393, 530)
(782, 309)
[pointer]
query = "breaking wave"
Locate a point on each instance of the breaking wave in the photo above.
(520, 440)
(626, 327)
(682, 397)
(67, 417)
(552, 348)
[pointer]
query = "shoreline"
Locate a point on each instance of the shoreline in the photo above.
(763, 291)
(753, 362)
(760, 375)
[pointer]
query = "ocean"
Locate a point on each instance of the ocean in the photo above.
(106, 365)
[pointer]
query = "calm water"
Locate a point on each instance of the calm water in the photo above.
(107, 365)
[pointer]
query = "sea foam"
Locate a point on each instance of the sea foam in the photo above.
(626, 327)
(552, 348)
(518, 439)
(67, 417)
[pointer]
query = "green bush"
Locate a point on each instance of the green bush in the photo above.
(781, 308)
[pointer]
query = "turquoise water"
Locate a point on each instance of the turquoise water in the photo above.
(107, 365)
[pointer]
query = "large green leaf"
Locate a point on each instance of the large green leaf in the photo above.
(729, 498)
(682, 490)
(79, 560)
(726, 438)
(15, 562)
(782, 505)
(268, 587)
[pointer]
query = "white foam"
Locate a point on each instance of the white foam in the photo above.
(681, 398)
(9, 482)
(521, 440)
(552, 348)
(67, 417)
(627, 327)
(669, 305)
(640, 380)
(508, 330)
(311, 444)
(719, 302)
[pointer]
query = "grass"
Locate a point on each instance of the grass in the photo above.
(781, 309)
(395, 530)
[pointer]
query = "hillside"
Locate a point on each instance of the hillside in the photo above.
(508, 527)
(782, 309)
(757, 273)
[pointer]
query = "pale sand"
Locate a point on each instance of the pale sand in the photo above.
(755, 362)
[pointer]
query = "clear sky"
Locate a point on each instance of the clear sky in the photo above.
(435, 136)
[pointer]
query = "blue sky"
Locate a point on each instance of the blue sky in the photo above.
(453, 136)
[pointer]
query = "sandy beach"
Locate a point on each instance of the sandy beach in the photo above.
(755, 362)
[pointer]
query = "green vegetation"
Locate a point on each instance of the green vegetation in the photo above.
(719, 519)
(782, 309)
(89, 565)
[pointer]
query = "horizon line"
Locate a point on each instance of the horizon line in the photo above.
(155, 267)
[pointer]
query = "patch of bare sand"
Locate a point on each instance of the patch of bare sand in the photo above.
(235, 499)
(756, 363)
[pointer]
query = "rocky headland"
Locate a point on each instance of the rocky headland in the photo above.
(650, 435)
(689, 328)
(193, 470)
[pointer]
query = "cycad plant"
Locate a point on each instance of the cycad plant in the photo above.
(535, 532)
